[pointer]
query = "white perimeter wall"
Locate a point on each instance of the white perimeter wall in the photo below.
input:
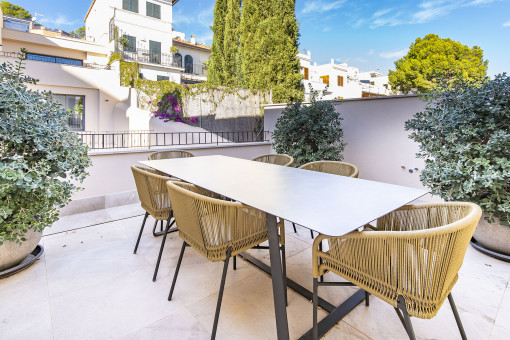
(377, 141)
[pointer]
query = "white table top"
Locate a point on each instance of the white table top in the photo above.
(329, 204)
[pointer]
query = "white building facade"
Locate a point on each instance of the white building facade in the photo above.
(340, 81)
(78, 72)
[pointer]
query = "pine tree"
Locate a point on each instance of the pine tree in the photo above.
(215, 70)
(231, 43)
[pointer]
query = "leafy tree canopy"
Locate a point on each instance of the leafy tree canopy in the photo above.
(79, 33)
(15, 10)
(431, 60)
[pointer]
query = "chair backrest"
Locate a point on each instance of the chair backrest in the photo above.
(152, 191)
(210, 224)
(433, 241)
(170, 154)
(332, 167)
(278, 159)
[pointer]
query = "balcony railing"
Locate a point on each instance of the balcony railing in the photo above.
(146, 56)
(147, 139)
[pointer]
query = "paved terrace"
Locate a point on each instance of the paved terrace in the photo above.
(90, 285)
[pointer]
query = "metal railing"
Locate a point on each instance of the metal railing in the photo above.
(147, 56)
(147, 139)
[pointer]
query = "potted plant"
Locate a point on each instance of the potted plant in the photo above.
(464, 137)
(41, 161)
(310, 133)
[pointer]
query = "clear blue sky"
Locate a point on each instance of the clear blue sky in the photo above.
(368, 34)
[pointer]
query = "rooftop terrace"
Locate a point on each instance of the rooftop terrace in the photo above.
(90, 285)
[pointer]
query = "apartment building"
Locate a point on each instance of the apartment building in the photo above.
(78, 72)
(340, 81)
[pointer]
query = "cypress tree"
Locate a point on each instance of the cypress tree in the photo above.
(269, 47)
(215, 68)
(231, 43)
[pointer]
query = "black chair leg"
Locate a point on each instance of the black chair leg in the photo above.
(284, 272)
(315, 331)
(294, 226)
(311, 233)
(184, 245)
(220, 295)
(154, 229)
(235, 263)
(320, 259)
(168, 225)
(405, 319)
(457, 317)
(141, 231)
(367, 299)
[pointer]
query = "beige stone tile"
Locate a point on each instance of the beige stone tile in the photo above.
(131, 227)
(31, 322)
(500, 333)
(24, 290)
(87, 268)
(125, 211)
(113, 308)
(85, 239)
(179, 324)
(475, 261)
(77, 221)
(345, 331)
(503, 317)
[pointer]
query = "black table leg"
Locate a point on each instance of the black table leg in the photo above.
(282, 326)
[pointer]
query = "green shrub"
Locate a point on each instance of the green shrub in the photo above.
(310, 132)
(464, 137)
(41, 160)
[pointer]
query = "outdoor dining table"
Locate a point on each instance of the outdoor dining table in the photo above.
(328, 204)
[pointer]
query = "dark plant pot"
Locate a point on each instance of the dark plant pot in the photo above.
(493, 236)
(11, 253)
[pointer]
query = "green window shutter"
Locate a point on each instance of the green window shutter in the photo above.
(157, 11)
(134, 6)
(125, 4)
(149, 8)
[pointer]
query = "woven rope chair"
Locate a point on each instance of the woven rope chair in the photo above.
(169, 154)
(217, 229)
(278, 159)
(153, 195)
(410, 259)
(330, 167)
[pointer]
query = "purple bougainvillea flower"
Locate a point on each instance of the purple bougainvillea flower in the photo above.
(150, 102)
(159, 103)
(186, 86)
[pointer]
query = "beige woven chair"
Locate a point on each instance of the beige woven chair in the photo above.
(330, 167)
(217, 229)
(410, 259)
(278, 159)
(153, 195)
(169, 154)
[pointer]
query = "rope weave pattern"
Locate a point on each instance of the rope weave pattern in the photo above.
(169, 154)
(278, 159)
(211, 225)
(415, 251)
(152, 192)
(332, 167)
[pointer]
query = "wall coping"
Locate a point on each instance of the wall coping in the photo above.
(175, 147)
(338, 101)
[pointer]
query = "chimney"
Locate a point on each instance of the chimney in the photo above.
(332, 61)
(193, 41)
(309, 54)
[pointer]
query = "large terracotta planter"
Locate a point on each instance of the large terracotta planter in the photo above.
(11, 253)
(493, 236)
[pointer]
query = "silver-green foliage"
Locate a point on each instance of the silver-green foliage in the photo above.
(464, 137)
(310, 132)
(41, 160)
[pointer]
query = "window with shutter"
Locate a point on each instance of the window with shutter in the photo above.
(340, 81)
(130, 5)
(305, 73)
(155, 52)
(325, 79)
(132, 43)
(153, 10)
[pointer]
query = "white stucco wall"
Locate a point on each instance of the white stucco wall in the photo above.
(377, 141)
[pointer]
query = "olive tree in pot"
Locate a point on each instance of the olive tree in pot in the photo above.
(310, 133)
(41, 163)
(464, 137)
